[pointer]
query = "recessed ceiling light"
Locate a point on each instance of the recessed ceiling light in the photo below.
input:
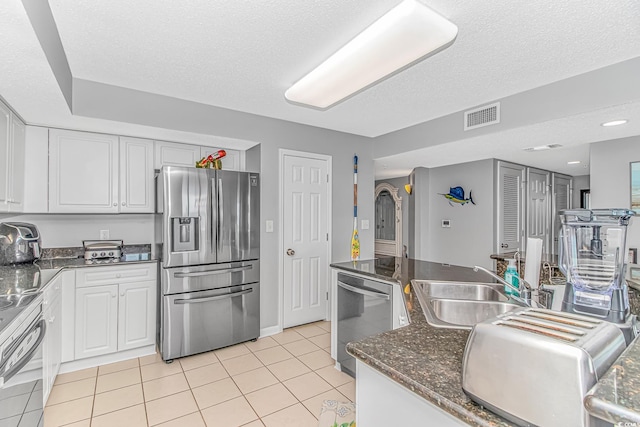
(615, 123)
(406, 34)
(574, 162)
(543, 147)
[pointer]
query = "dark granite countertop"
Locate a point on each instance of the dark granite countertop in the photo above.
(422, 358)
(616, 397)
(551, 259)
(21, 284)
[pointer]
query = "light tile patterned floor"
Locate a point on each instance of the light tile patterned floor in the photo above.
(280, 381)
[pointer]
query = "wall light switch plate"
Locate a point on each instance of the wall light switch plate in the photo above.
(364, 224)
(268, 226)
(104, 234)
(446, 223)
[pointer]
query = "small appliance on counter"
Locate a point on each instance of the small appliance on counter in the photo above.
(102, 251)
(19, 243)
(534, 366)
(593, 259)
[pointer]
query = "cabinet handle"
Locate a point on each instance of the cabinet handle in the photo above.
(118, 276)
(52, 319)
(124, 203)
(121, 294)
(115, 204)
(113, 295)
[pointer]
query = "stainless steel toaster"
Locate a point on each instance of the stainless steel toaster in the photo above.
(19, 243)
(534, 366)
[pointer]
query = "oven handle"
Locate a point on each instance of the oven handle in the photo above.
(6, 376)
(212, 272)
(363, 291)
(215, 298)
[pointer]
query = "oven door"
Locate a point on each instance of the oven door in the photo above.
(365, 308)
(196, 322)
(21, 377)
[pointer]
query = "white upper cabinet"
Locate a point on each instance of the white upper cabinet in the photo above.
(233, 161)
(136, 175)
(83, 172)
(36, 170)
(97, 173)
(172, 154)
(12, 161)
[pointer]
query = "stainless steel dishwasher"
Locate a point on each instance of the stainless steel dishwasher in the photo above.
(365, 308)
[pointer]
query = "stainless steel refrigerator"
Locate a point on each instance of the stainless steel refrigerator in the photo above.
(209, 225)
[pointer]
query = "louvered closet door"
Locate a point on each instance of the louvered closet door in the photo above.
(538, 206)
(562, 196)
(510, 207)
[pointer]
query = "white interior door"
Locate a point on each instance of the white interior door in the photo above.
(305, 229)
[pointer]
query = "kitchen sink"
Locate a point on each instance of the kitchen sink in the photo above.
(460, 305)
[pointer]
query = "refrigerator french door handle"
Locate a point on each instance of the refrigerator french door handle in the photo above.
(363, 291)
(220, 213)
(216, 298)
(212, 272)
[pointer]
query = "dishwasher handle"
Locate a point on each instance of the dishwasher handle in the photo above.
(214, 298)
(212, 272)
(364, 291)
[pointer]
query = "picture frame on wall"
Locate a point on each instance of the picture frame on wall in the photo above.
(635, 186)
(633, 256)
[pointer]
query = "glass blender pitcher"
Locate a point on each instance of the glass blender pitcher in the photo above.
(593, 258)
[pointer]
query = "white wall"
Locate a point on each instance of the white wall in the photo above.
(611, 180)
(59, 231)
(469, 240)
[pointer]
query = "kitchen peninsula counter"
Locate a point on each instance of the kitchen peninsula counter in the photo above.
(420, 357)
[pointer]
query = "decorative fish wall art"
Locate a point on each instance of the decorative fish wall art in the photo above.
(456, 195)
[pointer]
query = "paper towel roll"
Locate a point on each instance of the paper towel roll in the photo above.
(533, 261)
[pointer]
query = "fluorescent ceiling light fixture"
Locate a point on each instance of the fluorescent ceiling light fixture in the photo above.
(615, 123)
(406, 34)
(574, 162)
(543, 147)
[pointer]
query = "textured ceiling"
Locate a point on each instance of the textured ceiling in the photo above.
(243, 55)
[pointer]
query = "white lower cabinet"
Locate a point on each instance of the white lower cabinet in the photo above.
(377, 393)
(96, 321)
(136, 315)
(52, 344)
(116, 315)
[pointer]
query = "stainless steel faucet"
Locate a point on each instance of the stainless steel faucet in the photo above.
(524, 291)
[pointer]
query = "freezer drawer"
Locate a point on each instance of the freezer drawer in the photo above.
(201, 321)
(205, 277)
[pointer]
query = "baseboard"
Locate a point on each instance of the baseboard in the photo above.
(92, 362)
(271, 330)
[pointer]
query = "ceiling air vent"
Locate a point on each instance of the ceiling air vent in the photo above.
(482, 116)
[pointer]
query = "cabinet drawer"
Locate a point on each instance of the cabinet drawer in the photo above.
(93, 276)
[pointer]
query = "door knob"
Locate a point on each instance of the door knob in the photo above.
(291, 252)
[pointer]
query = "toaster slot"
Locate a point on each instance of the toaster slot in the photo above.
(538, 330)
(549, 325)
(568, 319)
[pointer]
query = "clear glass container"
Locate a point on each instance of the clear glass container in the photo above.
(593, 254)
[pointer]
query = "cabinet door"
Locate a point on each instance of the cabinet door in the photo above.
(562, 194)
(137, 315)
(172, 154)
(538, 206)
(96, 321)
(510, 207)
(233, 161)
(51, 348)
(5, 129)
(83, 172)
(16, 166)
(136, 175)
(36, 170)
